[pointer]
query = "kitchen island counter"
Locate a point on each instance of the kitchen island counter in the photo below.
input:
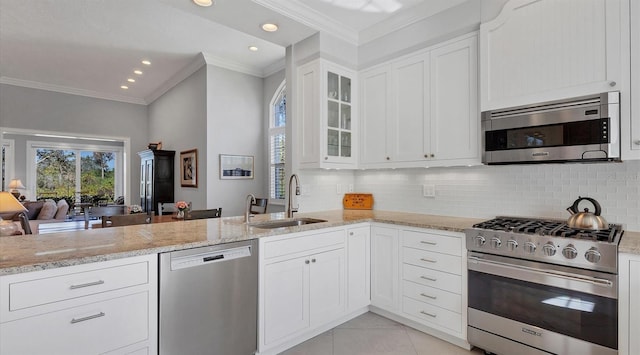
(28, 253)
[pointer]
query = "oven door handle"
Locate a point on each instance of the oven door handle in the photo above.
(543, 272)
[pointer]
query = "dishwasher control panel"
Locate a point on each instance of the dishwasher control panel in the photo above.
(182, 262)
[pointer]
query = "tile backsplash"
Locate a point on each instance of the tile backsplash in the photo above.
(543, 190)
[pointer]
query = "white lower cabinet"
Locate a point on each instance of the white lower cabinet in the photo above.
(433, 290)
(311, 282)
(629, 298)
(419, 279)
(106, 307)
(358, 267)
(302, 286)
(384, 268)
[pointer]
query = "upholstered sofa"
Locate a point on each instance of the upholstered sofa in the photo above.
(47, 211)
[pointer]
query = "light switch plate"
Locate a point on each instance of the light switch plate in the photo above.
(339, 189)
(429, 190)
(350, 188)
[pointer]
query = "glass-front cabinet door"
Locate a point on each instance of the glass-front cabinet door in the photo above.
(327, 111)
(338, 115)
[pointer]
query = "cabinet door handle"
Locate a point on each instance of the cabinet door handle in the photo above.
(613, 83)
(637, 142)
(432, 155)
(428, 243)
(428, 260)
(429, 314)
(388, 158)
(313, 260)
(428, 296)
(350, 233)
(428, 278)
(78, 320)
(306, 261)
(95, 283)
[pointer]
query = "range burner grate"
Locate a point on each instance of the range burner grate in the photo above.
(548, 227)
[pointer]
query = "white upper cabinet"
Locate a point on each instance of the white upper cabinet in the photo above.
(375, 100)
(327, 115)
(422, 109)
(455, 118)
(409, 121)
(541, 50)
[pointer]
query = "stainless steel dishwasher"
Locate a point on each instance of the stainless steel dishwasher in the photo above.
(209, 300)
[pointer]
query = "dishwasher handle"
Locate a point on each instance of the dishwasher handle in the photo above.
(212, 258)
(180, 261)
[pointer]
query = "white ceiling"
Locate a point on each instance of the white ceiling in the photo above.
(91, 47)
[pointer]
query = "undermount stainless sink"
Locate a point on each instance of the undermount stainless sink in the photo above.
(286, 223)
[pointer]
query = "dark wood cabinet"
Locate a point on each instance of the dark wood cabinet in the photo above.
(156, 178)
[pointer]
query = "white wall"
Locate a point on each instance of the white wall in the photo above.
(235, 126)
(34, 109)
(178, 119)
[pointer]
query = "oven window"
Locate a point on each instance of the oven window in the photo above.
(576, 314)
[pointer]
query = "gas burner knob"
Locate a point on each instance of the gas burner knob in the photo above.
(512, 245)
(529, 247)
(549, 249)
(592, 255)
(479, 241)
(496, 243)
(570, 252)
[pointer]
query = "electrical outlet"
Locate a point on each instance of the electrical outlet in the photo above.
(339, 189)
(429, 190)
(350, 188)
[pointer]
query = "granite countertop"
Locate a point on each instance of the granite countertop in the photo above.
(20, 254)
(630, 243)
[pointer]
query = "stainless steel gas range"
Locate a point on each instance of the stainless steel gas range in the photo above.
(537, 286)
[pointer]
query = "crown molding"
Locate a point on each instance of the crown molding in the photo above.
(70, 90)
(274, 67)
(176, 78)
(231, 65)
(312, 18)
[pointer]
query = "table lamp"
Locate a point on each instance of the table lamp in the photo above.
(8, 204)
(15, 185)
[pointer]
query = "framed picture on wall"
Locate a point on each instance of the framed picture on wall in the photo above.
(234, 167)
(189, 168)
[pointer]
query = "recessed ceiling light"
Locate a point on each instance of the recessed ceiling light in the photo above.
(203, 3)
(131, 80)
(270, 27)
(253, 48)
(124, 87)
(146, 62)
(137, 72)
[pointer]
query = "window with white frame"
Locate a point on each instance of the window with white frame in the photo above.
(277, 143)
(79, 172)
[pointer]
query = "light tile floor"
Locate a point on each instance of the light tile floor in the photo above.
(371, 334)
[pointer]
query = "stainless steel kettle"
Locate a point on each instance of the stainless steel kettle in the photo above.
(586, 220)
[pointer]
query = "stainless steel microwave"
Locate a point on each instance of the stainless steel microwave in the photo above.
(582, 129)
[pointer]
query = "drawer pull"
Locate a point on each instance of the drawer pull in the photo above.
(429, 314)
(78, 320)
(428, 296)
(428, 260)
(95, 283)
(428, 243)
(428, 278)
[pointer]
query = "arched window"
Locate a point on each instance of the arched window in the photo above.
(277, 143)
